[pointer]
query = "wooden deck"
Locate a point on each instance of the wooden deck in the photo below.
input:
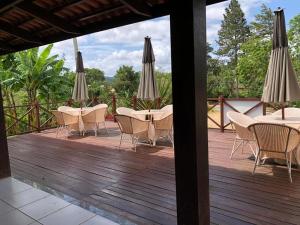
(140, 186)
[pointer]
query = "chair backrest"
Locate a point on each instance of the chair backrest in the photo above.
(59, 117)
(97, 115)
(100, 106)
(165, 122)
(275, 137)
(241, 122)
(292, 112)
(167, 108)
(124, 123)
(124, 111)
(131, 125)
(64, 108)
(69, 118)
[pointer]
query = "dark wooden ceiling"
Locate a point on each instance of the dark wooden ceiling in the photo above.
(29, 23)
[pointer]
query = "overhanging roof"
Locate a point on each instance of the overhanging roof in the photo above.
(29, 23)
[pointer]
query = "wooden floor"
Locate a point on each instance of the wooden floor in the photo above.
(140, 186)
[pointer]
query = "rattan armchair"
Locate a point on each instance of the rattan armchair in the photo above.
(129, 112)
(244, 136)
(163, 127)
(276, 141)
(65, 121)
(134, 127)
(93, 118)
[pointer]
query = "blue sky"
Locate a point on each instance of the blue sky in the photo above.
(110, 49)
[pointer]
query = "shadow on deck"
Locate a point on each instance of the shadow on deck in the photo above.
(140, 186)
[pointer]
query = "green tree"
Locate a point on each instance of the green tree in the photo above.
(294, 42)
(95, 81)
(233, 33)
(35, 69)
(213, 73)
(262, 26)
(253, 65)
(126, 81)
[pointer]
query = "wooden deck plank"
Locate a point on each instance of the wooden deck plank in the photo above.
(140, 186)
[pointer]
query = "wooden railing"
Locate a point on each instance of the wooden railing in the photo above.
(37, 117)
(22, 119)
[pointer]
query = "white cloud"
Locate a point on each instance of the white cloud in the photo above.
(110, 49)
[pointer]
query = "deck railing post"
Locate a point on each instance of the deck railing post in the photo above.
(221, 102)
(37, 116)
(114, 106)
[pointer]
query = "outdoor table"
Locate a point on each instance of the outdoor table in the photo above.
(79, 112)
(152, 113)
(291, 121)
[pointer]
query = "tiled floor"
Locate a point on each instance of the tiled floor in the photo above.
(21, 204)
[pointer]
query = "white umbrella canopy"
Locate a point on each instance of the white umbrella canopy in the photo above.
(148, 88)
(281, 85)
(80, 91)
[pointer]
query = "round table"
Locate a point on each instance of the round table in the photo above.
(291, 121)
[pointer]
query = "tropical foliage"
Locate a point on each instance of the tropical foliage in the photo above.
(237, 64)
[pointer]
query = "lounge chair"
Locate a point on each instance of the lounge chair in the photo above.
(244, 136)
(134, 127)
(275, 141)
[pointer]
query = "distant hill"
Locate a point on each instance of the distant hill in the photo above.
(109, 79)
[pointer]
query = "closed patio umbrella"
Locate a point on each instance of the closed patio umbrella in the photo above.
(80, 91)
(148, 88)
(281, 85)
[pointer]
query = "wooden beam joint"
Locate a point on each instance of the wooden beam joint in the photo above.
(138, 6)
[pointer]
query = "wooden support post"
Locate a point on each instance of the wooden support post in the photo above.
(189, 76)
(264, 108)
(37, 116)
(158, 103)
(134, 102)
(221, 102)
(4, 157)
(114, 106)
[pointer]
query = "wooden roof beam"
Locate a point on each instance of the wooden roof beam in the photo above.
(48, 17)
(19, 33)
(6, 5)
(6, 46)
(139, 7)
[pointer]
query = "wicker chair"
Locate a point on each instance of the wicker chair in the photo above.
(134, 127)
(129, 112)
(276, 141)
(292, 112)
(125, 111)
(244, 136)
(93, 118)
(164, 127)
(65, 121)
